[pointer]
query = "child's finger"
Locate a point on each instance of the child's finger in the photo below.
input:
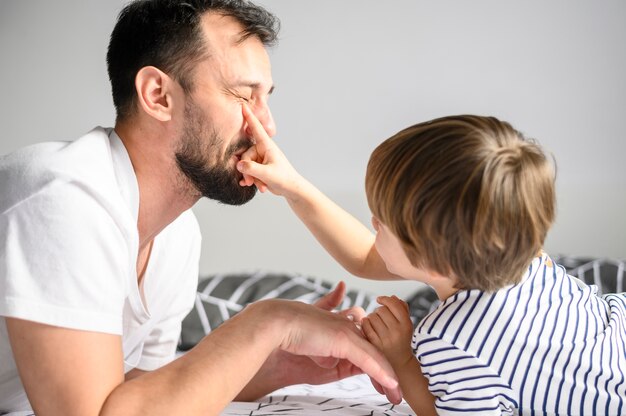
(249, 155)
(369, 332)
(256, 130)
(378, 323)
(261, 186)
(397, 307)
(250, 168)
(251, 171)
(401, 303)
(387, 316)
(404, 304)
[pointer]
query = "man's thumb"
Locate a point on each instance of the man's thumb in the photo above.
(333, 298)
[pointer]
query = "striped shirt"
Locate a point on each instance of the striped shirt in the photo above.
(547, 345)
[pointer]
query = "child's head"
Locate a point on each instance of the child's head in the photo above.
(467, 196)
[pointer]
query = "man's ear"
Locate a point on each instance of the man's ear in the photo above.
(155, 92)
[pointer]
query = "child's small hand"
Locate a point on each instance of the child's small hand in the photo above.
(264, 164)
(390, 329)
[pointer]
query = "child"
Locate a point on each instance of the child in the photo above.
(463, 204)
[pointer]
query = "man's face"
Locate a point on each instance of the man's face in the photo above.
(213, 135)
(217, 180)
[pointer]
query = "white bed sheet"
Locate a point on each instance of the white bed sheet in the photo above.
(354, 396)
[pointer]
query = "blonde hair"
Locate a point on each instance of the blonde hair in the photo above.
(468, 196)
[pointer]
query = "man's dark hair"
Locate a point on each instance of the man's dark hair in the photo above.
(167, 34)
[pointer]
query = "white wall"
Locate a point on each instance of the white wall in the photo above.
(351, 73)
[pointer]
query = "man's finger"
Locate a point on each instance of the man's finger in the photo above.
(377, 386)
(355, 314)
(369, 359)
(393, 395)
(333, 298)
(325, 362)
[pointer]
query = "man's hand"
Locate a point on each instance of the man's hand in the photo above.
(329, 302)
(326, 348)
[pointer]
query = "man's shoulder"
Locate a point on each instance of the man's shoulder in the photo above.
(91, 142)
(29, 170)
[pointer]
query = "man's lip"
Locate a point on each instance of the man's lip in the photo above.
(237, 156)
(241, 151)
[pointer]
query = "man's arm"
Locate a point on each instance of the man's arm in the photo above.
(65, 371)
(342, 235)
(68, 372)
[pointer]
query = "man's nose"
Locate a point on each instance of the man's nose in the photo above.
(263, 113)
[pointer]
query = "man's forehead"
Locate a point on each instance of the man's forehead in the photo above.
(234, 62)
(221, 31)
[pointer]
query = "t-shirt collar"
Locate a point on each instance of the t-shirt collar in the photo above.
(125, 174)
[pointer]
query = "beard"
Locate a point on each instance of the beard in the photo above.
(218, 181)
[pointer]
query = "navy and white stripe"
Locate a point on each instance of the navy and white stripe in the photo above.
(548, 345)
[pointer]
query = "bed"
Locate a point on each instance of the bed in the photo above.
(219, 297)
(353, 396)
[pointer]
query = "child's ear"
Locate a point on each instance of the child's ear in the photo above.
(375, 223)
(155, 92)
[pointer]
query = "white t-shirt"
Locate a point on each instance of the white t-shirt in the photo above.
(548, 345)
(68, 254)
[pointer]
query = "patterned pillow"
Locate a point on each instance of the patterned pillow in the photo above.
(607, 274)
(221, 296)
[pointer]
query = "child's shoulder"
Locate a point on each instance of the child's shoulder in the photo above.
(468, 309)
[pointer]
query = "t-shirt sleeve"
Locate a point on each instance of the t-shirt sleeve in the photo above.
(460, 382)
(63, 260)
(160, 345)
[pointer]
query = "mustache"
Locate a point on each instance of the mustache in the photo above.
(242, 144)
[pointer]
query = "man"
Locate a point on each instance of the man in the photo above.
(99, 247)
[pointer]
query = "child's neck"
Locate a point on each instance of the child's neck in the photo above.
(445, 294)
(443, 285)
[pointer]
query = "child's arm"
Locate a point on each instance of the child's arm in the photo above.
(390, 329)
(342, 235)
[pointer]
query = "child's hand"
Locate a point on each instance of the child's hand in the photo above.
(264, 164)
(390, 329)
